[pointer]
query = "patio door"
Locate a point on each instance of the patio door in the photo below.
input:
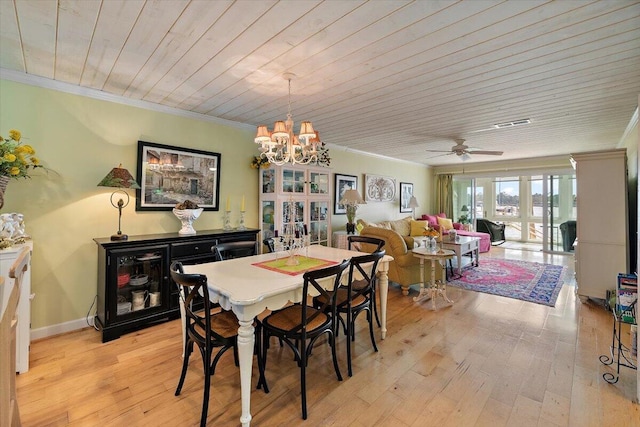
(464, 200)
(558, 210)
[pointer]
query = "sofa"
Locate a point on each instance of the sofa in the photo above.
(399, 241)
(433, 222)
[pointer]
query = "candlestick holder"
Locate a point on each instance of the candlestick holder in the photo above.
(294, 237)
(226, 218)
(241, 226)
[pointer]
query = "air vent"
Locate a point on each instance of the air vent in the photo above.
(512, 124)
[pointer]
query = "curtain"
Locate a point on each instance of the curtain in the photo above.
(444, 195)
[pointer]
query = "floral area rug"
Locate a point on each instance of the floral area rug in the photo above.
(523, 280)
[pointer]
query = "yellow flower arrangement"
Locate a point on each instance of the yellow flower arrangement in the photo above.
(259, 162)
(16, 158)
(431, 232)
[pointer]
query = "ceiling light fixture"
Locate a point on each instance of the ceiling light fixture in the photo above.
(283, 146)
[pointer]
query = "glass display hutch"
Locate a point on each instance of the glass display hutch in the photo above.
(308, 187)
(134, 285)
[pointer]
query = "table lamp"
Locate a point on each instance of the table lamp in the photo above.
(351, 199)
(119, 178)
(413, 204)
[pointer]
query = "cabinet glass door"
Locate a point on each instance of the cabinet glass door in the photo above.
(319, 217)
(319, 183)
(140, 279)
(268, 218)
(268, 181)
(292, 181)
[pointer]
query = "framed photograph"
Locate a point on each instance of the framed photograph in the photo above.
(170, 175)
(343, 183)
(406, 191)
(379, 188)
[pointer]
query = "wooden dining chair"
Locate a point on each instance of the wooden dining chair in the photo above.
(209, 329)
(356, 297)
(300, 325)
(371, 245)
(268, 242)
(230, 250)
(365, 243)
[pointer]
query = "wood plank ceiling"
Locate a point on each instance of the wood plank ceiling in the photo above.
(396, 78)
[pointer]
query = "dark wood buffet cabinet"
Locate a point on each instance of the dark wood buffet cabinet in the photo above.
(135, 289)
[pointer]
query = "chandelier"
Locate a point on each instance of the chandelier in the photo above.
(283, 146)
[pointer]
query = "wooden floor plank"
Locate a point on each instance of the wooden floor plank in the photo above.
(484, 361)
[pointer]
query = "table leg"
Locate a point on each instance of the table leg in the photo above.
(383, 290)
(245, 355)
(458, 252)
(424, 292)
(434, 287)
(443, 291)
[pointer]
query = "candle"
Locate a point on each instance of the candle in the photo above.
(297, 234)
(275, 233)
(242, 204)
(228, 204)
(305, 229)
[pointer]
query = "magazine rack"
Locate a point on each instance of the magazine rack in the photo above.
(621, 355)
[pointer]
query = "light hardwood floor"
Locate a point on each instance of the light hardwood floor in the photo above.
(485, 361)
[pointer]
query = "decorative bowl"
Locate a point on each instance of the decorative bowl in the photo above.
(138, 280)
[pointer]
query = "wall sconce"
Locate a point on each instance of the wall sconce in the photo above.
(119, 178)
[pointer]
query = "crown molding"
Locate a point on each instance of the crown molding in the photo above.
(28, 79)
(633, 123)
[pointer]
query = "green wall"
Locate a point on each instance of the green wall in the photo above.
(80, 139)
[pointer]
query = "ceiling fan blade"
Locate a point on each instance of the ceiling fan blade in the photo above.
(491, 153)
(439, 151)
(439, 155)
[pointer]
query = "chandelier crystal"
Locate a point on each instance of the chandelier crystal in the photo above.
(283, 146)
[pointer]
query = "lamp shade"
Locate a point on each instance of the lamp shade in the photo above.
(263, 134)
(464, 208)
(119, 178)
(352, 197)
(413, 202)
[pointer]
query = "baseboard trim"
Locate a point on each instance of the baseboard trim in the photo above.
(60, 328)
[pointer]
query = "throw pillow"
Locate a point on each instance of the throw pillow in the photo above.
(417, 228)
(445, 223)
(442, 215)
(431, 219)
(401, 226)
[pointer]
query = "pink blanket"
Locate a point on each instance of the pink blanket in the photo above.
(485, 239)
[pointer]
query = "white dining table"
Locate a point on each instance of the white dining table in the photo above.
(247, 289)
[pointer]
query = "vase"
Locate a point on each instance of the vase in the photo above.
(4, 181)
(187, 216)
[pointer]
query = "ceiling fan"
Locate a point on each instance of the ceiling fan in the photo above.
(460, 149)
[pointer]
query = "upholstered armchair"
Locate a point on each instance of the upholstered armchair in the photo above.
(568, 229)
(495, 230)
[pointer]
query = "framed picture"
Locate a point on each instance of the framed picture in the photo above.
(406, 191)
(170, 175)
(379, 188)
(343, 183)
